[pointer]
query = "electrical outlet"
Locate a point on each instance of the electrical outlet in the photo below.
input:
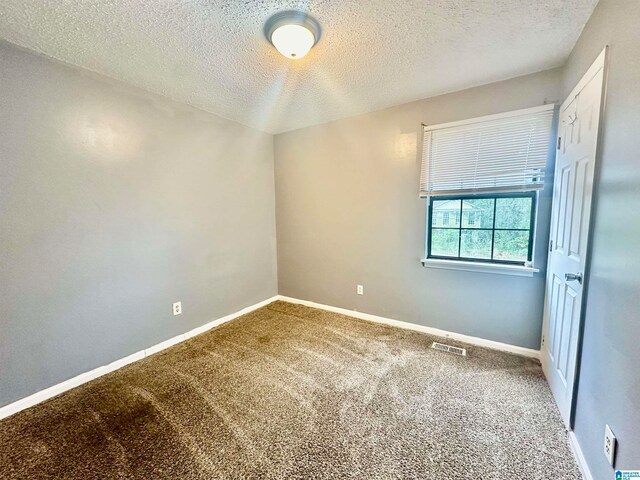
(177, 308)
(609, 444)
(360, 290)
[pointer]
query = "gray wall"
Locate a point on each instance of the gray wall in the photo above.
(609, 389)
(348, 213)
(114, 204)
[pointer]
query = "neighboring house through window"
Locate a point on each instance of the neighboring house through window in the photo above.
(471, 218)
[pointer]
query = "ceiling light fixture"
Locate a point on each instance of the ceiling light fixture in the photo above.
(292, 33)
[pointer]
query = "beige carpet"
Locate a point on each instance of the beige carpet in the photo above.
(293, 392)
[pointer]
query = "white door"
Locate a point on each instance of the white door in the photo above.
(573, 186)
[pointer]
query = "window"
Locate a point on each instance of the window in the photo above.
(494, 228)
(484, 174)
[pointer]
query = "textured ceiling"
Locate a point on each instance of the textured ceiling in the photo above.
(373, 54)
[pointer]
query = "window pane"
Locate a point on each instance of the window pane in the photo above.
(464, 228)
(513, 212)
(476, 244)
(446, 213)
(511, 245)
(477, 213)
(444, 243)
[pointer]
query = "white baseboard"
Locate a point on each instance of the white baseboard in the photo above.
(580, 458)
(480, 342)
(54, 390)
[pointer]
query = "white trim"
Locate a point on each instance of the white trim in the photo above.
(54, 390)
(163, 345)
(483, 267)
(580, 458)
(480, 342)
(487, 118)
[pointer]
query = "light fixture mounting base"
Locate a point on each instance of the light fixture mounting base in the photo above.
(292, 17)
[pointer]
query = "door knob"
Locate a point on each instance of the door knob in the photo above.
(569, 277)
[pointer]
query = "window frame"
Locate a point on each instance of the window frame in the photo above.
(532, 224)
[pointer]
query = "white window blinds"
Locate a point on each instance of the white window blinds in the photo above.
(497, 153)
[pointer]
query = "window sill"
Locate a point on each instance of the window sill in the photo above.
(516, 270)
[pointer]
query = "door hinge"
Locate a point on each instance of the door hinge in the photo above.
(559, 143)
(551, 246)
(543, 340)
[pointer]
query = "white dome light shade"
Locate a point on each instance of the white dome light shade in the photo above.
(292, 33)
(293, 41)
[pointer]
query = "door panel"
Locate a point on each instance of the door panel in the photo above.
(563, 200)
(568, 315)
(577, 234)
(553, 304)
